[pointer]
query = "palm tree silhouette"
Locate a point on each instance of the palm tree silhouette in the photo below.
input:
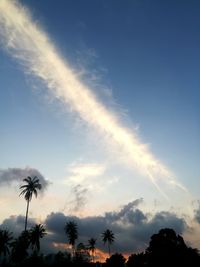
(5, 242)
(35, 234)
(91, 246)
(20, 246)
(108, 237)
(28, 190)
(72, 234)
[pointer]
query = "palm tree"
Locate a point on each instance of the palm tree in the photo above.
(30, 188)
(108, 237)
(72, 234)
(82, 254)
(20, 247)
(91, 246)
(5, 242)
(35, 233)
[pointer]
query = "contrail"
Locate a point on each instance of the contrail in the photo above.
(31, 46)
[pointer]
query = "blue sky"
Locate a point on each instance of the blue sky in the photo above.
(141, 61)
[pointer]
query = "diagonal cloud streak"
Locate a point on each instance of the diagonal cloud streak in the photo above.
(31, 46)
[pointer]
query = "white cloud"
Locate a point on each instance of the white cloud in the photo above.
(82, 172)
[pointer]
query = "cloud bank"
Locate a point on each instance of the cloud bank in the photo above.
(15, 224)
(131, 226)
(26, 42)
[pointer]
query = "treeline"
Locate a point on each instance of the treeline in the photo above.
(25, 249)
(165, 249)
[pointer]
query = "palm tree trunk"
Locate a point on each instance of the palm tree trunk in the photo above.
(26, 214)
(93, 256)
(73, 251)
(109, 249)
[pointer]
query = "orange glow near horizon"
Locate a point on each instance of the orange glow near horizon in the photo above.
(100, 255)
(62, 246)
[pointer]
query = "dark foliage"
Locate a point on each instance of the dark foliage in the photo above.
(116, 260)
(5, 242)
(71, 231)
(137, 260)
(28, 190)
(19, 248)
(108, 237)
(166, 249)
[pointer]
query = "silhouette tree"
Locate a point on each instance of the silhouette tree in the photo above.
(5, 242)
(91, 246)
(108, 237)
(116, 260)
(35, 234)
(30, 188)
(19, 247)
(34, 260)
(168, 249)
(62, 259)
(137, 260)
(165, 247)
(81, 248)
(82, 254)
(72, 234)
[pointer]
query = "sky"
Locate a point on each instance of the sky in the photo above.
(99, 99)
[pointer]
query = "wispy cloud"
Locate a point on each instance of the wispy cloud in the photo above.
(31, 46)
(78, 201)
(92, 176)
(82, 172)
(83, 178)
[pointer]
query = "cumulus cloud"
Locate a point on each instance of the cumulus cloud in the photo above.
(163, 219)
(131, 226)
(15, 224)
(127, 213)
(11, 175)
